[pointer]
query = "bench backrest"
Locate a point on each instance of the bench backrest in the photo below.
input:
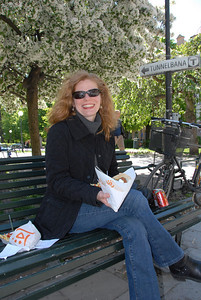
(23, 184)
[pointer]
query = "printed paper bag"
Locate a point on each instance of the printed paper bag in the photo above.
(117, 189)
(25, 236)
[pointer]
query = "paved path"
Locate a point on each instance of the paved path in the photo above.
(143, 160)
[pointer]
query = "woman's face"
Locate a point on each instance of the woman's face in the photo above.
(87, 106)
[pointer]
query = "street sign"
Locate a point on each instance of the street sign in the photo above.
(173, 65)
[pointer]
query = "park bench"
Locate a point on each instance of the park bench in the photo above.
(37, 273)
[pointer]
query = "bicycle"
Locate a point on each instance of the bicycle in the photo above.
(170, 139)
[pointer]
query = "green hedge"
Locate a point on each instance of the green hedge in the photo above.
(128, 143)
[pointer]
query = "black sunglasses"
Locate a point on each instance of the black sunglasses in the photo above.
(81, 94)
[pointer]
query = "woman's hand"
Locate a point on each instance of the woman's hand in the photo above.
(103, 197)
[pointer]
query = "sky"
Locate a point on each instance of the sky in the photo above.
(188, 17)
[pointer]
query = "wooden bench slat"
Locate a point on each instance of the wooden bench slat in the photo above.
(183, 222)
(125, 163)
(26, 166)
(6, 227)
(22, 183)
(174, 208)
(20, 214)
(123, 157)
(119, 152)
(18, 175)
(23, 159)
(20, 203)
(122, 169)
(21, 193)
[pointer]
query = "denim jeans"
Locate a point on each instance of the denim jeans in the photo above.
(144, 240)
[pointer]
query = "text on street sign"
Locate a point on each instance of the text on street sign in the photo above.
(172, 65)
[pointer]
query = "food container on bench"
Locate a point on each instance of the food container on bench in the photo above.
(160, 198)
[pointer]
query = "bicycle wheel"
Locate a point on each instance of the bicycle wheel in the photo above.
(197, 180)
(161, 177)
(197, 185)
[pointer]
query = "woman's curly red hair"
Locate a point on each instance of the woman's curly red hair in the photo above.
(62, 108)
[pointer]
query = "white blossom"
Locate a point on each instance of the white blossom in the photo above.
(111, 38)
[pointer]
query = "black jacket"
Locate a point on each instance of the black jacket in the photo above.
(70, 168)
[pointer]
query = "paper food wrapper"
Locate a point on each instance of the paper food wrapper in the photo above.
(117, 189)
(24, 238)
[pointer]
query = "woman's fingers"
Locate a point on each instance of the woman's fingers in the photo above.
(103, 197)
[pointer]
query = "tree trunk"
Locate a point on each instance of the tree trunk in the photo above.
(191, 118)
(31, 84)
(148, 130)
(1, 130)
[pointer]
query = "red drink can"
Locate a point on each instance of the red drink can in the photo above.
(160, 198)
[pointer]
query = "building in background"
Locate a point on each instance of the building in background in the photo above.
(180, 40)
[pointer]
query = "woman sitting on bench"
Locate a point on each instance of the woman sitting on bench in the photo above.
(79, 139)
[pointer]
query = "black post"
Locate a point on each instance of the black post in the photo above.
(22, 143)
(168, 75)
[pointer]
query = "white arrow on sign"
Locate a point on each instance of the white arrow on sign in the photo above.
(173, 65)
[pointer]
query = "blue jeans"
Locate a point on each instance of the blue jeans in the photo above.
(144, 239)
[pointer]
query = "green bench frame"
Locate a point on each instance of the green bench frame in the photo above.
(35, 274)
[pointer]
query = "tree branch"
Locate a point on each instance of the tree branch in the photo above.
(11, 24)
(51, 78)
(192, 77)
(22, 98)
(14, 71)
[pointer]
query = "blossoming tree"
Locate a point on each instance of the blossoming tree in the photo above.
(41, 40)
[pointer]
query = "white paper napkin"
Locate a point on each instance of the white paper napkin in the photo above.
(11, 250)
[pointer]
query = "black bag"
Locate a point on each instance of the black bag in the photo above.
(146, 192)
